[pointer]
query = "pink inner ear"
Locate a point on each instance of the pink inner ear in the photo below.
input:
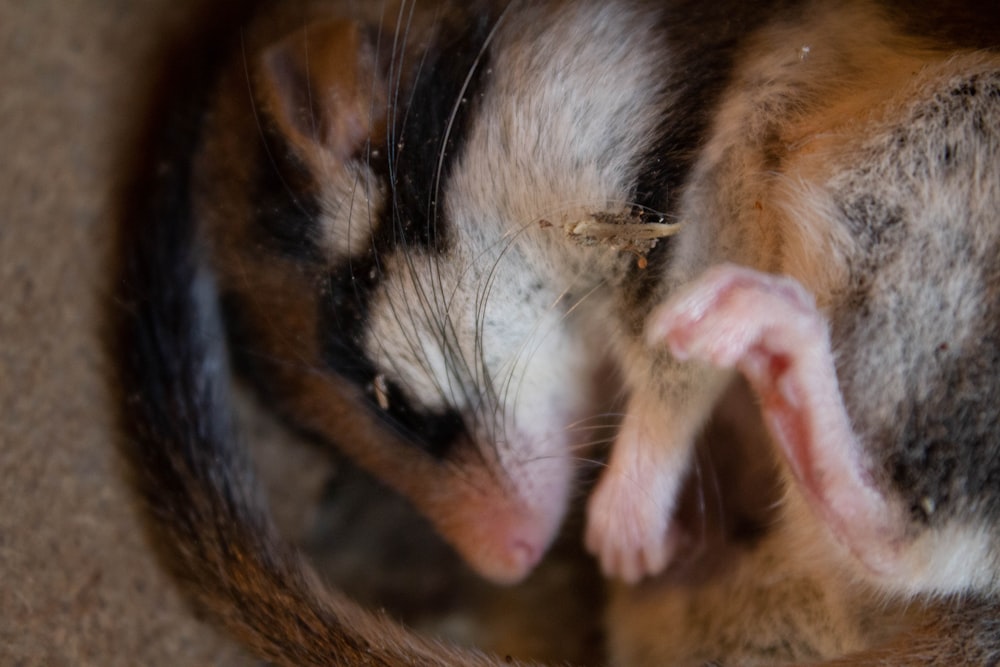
(322, 88)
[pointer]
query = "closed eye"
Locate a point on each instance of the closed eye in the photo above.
(434, 431)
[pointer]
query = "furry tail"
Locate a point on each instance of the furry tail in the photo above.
(206, 510)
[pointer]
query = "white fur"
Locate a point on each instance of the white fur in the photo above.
(548, 144)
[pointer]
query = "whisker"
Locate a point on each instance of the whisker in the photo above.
(577, 428)
(393, 81)
(432, 311)
(407, 317)
(434, 196)
(532, 341)
(454, 351)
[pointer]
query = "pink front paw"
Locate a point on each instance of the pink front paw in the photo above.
(629, 530)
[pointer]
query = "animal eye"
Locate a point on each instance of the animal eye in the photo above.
(433, 431)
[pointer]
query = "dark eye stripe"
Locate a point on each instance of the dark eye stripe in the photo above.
(286, 222)
(343, 305)
(430, 134)
(436, 432)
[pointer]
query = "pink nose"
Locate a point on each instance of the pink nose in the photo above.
(509, 559)
(524, 556)
(508, 564)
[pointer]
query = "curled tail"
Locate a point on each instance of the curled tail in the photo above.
(209, 517)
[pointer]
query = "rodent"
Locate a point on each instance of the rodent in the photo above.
(378, 197)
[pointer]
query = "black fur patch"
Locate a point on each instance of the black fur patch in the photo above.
(427, 131)
(425, 137)
(343, 316)
(285, 205)
(703, 70)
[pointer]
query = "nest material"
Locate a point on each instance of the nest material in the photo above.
(630, 231)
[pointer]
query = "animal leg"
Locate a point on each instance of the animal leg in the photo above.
(629, 526)
(769, 329)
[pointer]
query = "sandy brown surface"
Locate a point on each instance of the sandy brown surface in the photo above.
(78, 585)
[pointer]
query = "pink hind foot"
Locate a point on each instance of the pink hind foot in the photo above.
(769, 329)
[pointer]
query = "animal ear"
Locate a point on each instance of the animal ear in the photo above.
(322, 86)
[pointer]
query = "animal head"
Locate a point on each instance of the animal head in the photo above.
(436, 323)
